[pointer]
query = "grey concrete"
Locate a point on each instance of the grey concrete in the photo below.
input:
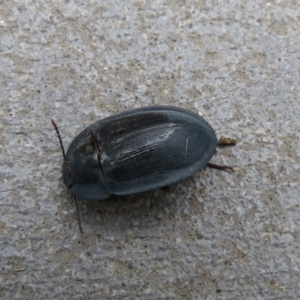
(213, 236)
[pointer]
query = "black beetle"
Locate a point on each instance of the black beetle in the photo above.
(137, 151)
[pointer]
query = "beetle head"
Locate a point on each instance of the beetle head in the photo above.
(82, 171)
(81, 167)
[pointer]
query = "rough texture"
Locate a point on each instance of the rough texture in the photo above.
(213, 236)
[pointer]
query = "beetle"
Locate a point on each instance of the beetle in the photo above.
(137, 151)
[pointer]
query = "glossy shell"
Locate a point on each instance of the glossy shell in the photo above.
(137, 151)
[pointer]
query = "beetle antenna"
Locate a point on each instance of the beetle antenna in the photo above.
(64, 155)
(78, 215)
(60, 140)
(228, 169)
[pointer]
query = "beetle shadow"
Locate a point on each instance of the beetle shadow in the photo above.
(146, 210)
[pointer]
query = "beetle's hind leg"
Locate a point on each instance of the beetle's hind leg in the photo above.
(223, 142)
(228, 169)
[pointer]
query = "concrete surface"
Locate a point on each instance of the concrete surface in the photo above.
(213, 236)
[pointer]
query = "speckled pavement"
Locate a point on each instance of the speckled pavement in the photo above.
(213, 236)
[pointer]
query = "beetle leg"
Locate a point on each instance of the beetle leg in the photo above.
(218, 167)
